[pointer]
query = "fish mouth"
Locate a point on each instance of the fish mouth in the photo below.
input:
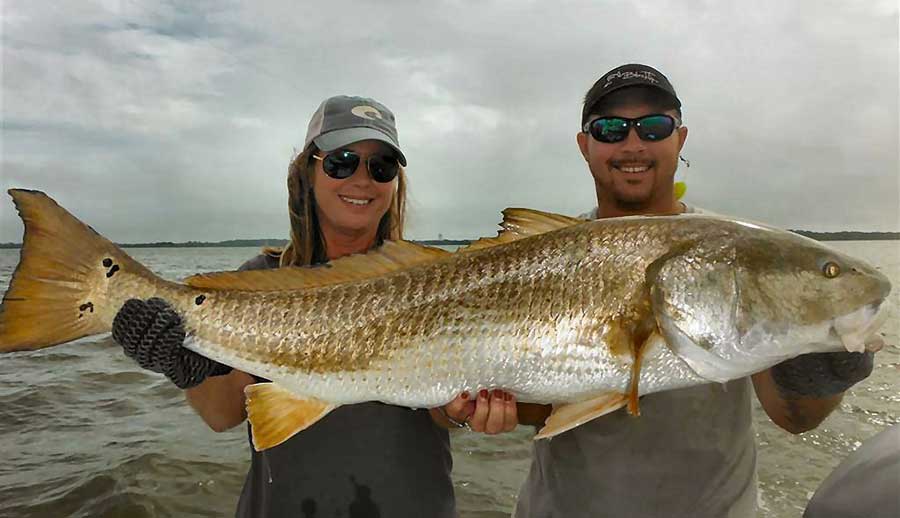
(857, 329)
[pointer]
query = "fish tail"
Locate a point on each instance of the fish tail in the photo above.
(64, 285)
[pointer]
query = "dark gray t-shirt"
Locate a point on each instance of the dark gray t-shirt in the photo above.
(368, 460)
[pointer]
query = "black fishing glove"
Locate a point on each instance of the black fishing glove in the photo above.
(151, 333)
(820, 375)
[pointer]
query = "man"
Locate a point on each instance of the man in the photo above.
(692, 452)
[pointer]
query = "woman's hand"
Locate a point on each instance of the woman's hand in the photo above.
(491, 412)
(151, 333)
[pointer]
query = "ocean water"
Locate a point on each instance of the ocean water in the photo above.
(84, 432)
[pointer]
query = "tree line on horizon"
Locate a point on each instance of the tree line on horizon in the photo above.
(235, 243)
(845, 235)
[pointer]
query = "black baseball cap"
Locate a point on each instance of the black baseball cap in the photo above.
(633, 74)
(343, 120)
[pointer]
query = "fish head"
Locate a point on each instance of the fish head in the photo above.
(736, 304)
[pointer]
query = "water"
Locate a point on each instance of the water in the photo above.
(84, 432)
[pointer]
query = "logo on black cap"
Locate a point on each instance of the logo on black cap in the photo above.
(626, 75)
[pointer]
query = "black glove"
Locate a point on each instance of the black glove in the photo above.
(820, 375)
(151, 333)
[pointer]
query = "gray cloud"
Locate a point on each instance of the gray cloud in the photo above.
(176, 121)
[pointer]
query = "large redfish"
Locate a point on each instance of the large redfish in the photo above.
(586, 315)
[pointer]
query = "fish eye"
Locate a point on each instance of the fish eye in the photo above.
(831, 270)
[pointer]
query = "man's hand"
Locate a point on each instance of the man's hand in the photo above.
(490, 412)
(151, 333)
(800, 393)
(820, 375)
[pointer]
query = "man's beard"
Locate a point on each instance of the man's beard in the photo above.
(633, 203)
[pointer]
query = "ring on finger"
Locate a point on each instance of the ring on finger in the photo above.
(454, 422)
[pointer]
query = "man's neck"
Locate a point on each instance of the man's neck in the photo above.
(612, 210)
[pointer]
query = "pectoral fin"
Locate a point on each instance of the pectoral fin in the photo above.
(630, 337)
(276, 414)
(634, 392)
(637, 353)
(568, 416)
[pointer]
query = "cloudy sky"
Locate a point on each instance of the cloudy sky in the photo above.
(176, 120)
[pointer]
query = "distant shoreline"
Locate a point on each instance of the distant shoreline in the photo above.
(234, 243)
(245, 243)
(849, 235)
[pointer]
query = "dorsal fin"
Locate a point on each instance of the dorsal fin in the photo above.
(389, 257)
(520, 223)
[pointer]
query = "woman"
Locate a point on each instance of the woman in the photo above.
(347, 192)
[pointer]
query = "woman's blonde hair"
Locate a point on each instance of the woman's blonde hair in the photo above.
(307, 245)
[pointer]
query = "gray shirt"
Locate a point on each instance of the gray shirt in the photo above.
(865, 485)
(691, 453)
(368, 460)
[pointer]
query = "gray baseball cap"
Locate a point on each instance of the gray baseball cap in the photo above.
(343, 120)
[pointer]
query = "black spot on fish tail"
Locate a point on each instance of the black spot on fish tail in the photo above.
(87, 306)
(112, 271)
(199, 300)
(107, 262)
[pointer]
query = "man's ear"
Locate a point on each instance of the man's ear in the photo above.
(682, 136)
(582, 139)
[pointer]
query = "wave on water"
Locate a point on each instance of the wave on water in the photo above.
(85, 432)
(147, 485)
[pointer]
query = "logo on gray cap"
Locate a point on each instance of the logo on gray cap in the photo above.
(366, 112)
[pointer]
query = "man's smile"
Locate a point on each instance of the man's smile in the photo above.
(631, 167)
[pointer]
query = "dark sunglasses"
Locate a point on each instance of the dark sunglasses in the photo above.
(615, 129)
(341, 164)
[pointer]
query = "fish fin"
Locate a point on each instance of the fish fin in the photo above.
(637, 356)
(276, 414)
(570, 415)
(521, 223)
(630, 337)
(390, 257)
(59, 291)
